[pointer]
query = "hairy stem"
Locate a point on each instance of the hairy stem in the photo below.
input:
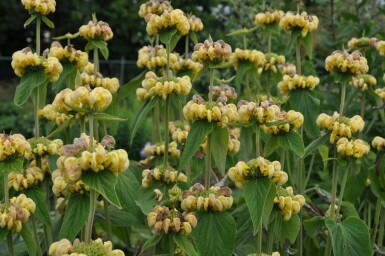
(380, 239)
(186, 47)
(96, 60)
(211, 74)
(343, 185)
(257, 142)
(166, 131)
(108, 219)
(208, 161)
(343, 94)
(298, 54)
(36, 235)
(269, 41)
(91, 215)
(309, 171)
(11, 250)
(376, 220)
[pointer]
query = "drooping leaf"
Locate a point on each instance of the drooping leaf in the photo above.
(30, 19)
(198, 131)
(76, 108)
(193, 37)
(131, 86)
(107, 117)
(62, 127)
(219, 139)
(68, 69)
(37, 194)
(314, 225)
(173, 42)
(287, 229)
(14, 165)
(307, 42)
(183, 242)
(28, 82)
(243, 68)
(306, 102)
(324, 152)
(47, 21)
(142, 113)
(75, 216)
(26, 234)
(215, 234)
(269, 204)
(102, 46)
(166, 35)
(152, 242)
(350, 237)
(104, 183)
(315, 144)
(270, 146)
(292, 141)
(256, 193)
(348, 210)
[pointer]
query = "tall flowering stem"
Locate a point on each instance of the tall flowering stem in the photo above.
(6, 200)
(37, 90)
(166, 112)
(209, 136)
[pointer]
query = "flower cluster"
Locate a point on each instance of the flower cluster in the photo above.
(97, 80)
(352, 148)
(380, 92)
(363, 81)
(378, 143)
(78, 157)
(25, 179)
(154, 7)
(287, 202)
(233, 144)
(158, 150)
(100, 30)
(345, 63)
(182, 65)
(340, 126)
(356, 43)
(24, 60)
(165, 220)
(62, 188)
(287, 69)
(16, 212)
(224, 93)
(273, 62)
(253, 56)
(166, 175)
(293, 118)
(299, 22)
(153, 85)
(255, 168)
(96, 99)
(269, 17)
(13, 146)
(179, 132)
(96, 247)
(58, 111)
(39, 7)
(211, 52)
(195, 23)
(167, 20)
(69, 54)
(154, 58)
(197, 198)
(380, 46)
(290, 83)
(42, 147)
(222, 113)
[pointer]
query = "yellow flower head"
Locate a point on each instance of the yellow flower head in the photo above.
(42, 7)
(100, 30)
(345, 63)
(211, 52)
(302, 22)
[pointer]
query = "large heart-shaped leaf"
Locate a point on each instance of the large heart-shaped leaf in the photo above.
(292, 141)
(14, 165)
(183, 242)
(37, 194)
(219, 140)
(28, 82)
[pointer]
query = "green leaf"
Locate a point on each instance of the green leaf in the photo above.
(293, 40)
(324, 152)
(107, 117)
(193, 37)
(183, 242)
(75, 216)
(147, 107)
(37, 194)
(215, 234)
(67, 36)
(68, 69)
(350, 237)
(256, 193)
(102, 46)
(173, 42)
(15, 165)
(197, 167)
(104, 183)
(26, 234)
(200, 72)
(76, 108)
(29, 81)
(315, 144)
(151, 242)
(287, 229)
(198, 131)
(292, 141)
(270, 146)
(166, 35)
(243, 68)
(30, 19)
(306, 102)
(219, 139)
(348, 210)
(62, 127)
(269, 204)
(314, 225)
(307, 42)
(131, 86)
(47, 21)
(3, 233)
(275, 123)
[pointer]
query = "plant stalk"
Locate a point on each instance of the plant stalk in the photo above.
(257, 142)
(298, 53)
(343, 185)
(343, 95)
(208, 161)
(273, 227)
(108, 219)
(260, 236)
(269, 42)
(96, 60)
(166, 131)
(36, 236)
(91, 215)
(376, 220)
(211, 73)
(244, 42)
(5, 188)
(309, 171)
(380, 239)
(11, 250)
(186, 48)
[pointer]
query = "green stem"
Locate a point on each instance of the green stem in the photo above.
(82, 122)
(343, 185)
(211, 74)
(244, 41)
(298, 54)
(186, 47)
(108, 219)
(208, 161)
(343, 94)
(96, 60)
(36, 236)
(376, 220)
(166, 131)
(269, 41)
(168, 59)
(91, 130)
(47, 228)
(362, 110)
(289, 173)
(268, 86)
(11, 250)
(380, 239)
(273, 227)
(260, 236)
(248, 87)
(300, 191)
(38, 33)
(257, 142)
(91, 215)
(309, 171)
(5, 188)
(37, 93)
